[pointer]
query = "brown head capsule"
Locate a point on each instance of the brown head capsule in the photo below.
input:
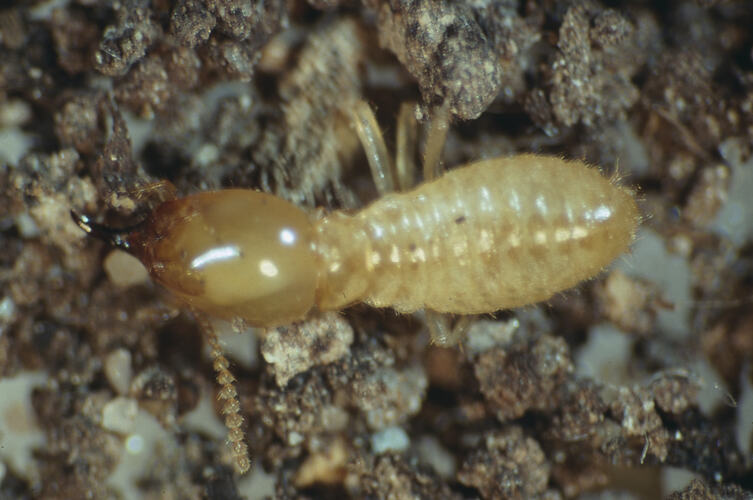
(232, 253)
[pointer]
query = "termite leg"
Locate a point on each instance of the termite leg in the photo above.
(460, 330)
(156, 192)
(435, 139)
(439, 328)
(442, 333)
(373, 145)
(439, 324)
(228, 394)
(406, 140)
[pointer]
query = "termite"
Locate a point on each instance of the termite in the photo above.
(494, 234)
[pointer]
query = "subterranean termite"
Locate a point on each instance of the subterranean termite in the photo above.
(491, 235)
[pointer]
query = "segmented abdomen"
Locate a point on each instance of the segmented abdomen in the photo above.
(496, 234)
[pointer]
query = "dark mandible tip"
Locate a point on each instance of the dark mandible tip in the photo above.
(117, 237)
(81, 221)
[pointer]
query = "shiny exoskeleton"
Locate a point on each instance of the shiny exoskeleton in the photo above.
(491, 235)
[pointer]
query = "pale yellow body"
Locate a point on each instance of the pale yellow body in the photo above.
(492, 235)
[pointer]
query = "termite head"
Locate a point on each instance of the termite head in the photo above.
(231, 253)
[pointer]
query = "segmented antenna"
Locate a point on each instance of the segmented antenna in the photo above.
(229, 395)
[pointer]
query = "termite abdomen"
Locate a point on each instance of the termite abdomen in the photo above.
(496, 234)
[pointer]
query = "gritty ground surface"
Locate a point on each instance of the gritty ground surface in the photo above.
(638, 384)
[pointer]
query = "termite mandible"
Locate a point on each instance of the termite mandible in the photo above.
(494, 234)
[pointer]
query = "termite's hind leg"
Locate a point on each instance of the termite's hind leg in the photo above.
(373, 145)
(229, 395)
(435, 139)
(442, 333)
(439, 328)
(405, 150)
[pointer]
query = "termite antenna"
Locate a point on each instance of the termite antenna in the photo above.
(228, 394)
(117, 237)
